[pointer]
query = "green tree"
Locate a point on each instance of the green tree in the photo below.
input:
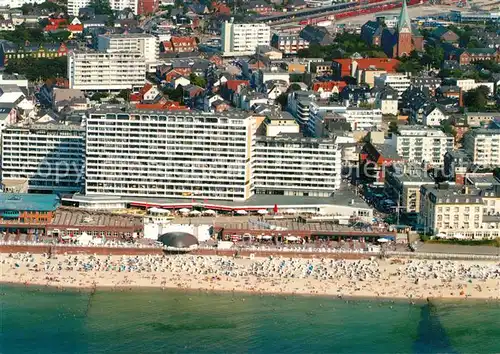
(198, 81)
(125, 94)
(98, 96)
(393, 127)
(38, 69)
(101, 7)
(476, 99)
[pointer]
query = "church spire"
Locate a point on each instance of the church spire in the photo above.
(404, 19)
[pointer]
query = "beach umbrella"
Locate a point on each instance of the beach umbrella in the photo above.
(209, 212)
(291, 211)
(195, 212)
(262, 211)
(241, 212)
(159, 210)
(382, 240)
(292, 238)
(267, 237)
(184, 210)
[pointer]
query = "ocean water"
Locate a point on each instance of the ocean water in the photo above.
(154, 321)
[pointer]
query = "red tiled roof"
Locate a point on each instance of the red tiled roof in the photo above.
(167, 44)
(386, 64)
(49, 28)
(328, 85)
(234, 84)
(186, 41)
(75, 28)
(139, 96)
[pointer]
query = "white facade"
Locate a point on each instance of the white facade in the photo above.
(243, 38)
(422, 145)
(389, 106)
(182, 155)
(363, 119)
(317, 112)
(433, 118)
(18, 80)
(297, 166)
(106, 71)
(145, 44)
(483, 145)
(399, 82)
(471, 84)
(455, 214)
(51, 157)
(75, 5)
(18, 3)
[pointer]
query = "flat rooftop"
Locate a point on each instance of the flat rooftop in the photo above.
(259, 201)
(81, 217)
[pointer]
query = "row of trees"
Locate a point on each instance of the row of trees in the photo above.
(38, 69)
(346, 44)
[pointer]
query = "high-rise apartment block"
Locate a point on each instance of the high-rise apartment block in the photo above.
(203, 155)
(49, 156)
(483, 146)
(420, 144)
(74, 6)
(145, 44)
(93, 71)
(243, 38)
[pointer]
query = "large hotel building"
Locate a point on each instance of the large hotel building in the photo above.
(203, 155)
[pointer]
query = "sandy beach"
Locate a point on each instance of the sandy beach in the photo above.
(390, 278)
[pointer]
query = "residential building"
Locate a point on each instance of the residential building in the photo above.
(316, 35)
(422, 145)
(363, 118)
(179, 45)
(477, 119)
(74, 6)
(46, 50)
(456, 165)
(182, 155)
(243, 38)
(49, 156)
(289, 164)
(18, 3)
(471, 84)
(144, 44)
(318, 113)
(288, 43)
(386, 99)
(461, 212)
(398, 81)
(483, 146)
(299, 103)
(404, 187)
(365, 70)
(433, 115)
(282, 123)
(93, 71)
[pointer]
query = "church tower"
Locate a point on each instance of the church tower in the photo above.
(404, 33)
